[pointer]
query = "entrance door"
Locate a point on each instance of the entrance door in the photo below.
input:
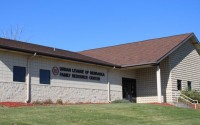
(129, 89)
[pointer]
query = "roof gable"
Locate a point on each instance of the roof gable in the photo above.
(138, 53)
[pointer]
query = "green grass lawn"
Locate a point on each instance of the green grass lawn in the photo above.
(99, 114)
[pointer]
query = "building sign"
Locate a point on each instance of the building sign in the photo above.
(77, 73)
(55, 70)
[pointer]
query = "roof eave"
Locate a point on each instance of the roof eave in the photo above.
(56, 56)
(140, 65)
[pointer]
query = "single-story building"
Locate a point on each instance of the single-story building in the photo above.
(145, 71)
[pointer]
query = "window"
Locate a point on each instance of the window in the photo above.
(44, 76)
(19, 74)
(179, 86)
(189, 85)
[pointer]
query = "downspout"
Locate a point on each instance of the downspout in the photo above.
(108, 81)
(28, 79)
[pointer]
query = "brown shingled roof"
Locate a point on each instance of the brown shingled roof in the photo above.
(48, 51)
(137, 53)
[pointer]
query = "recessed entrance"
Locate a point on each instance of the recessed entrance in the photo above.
(129, 89)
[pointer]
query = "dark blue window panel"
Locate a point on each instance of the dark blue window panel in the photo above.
(189, 85)
(19, 74)
(179, 85)
(44, 76)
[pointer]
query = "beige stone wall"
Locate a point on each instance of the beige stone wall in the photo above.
(12, 92)
(68, 89)
(68, 94)
(9, 90)
(38, 63)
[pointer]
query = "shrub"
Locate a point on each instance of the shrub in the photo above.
(37, 102)
(195, 95)
(121, 101)
(59, 101)
(48, 101)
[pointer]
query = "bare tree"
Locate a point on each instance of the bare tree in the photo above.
(13, 33)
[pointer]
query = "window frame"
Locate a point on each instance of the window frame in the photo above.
(44, 81)
(179, 85)
(16, 74)
(189, 85)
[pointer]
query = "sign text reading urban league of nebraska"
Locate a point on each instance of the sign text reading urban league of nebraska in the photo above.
(77, 73)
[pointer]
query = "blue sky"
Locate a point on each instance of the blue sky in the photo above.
(85, 24)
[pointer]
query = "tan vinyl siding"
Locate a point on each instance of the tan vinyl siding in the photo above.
(166, 81)
(146, 85)
(185, 66)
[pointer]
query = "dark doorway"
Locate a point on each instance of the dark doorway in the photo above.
(129, 89)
